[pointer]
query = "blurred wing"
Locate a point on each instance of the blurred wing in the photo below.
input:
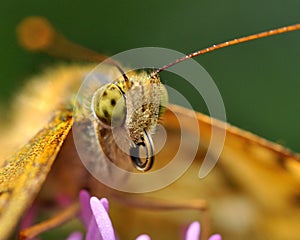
(253, 191)
(252, 167)
(22, 175)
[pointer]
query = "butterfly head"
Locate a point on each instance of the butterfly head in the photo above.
(135, 103)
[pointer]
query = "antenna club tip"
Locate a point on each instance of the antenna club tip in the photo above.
(35, 33)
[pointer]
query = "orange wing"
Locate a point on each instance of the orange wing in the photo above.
(254, 188)
(253, 191)
(22, 175)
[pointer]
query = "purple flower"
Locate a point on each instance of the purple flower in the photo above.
(193, 233)
(94, 215)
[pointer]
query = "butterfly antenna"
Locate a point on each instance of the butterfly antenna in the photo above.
(37, 34)
(281, 30)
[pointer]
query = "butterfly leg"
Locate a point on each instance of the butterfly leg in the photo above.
(62, 217)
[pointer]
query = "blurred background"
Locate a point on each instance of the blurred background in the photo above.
(259, 81)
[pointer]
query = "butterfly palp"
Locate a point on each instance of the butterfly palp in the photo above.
(135, 154)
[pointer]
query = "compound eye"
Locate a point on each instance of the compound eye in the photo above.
(109, 105)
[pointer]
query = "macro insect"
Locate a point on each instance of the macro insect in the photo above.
(22, 175)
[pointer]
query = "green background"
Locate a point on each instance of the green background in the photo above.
(259, 81)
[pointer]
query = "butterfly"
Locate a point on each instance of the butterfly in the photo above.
(257, 181)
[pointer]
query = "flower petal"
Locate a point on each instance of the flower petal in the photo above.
(63, 200)
(85, 213)
(75, 236)
(102, 219)
(215, 237)
(28, 219)
(93, 231)
(143, 237)
(105, 203)
(193, 232)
